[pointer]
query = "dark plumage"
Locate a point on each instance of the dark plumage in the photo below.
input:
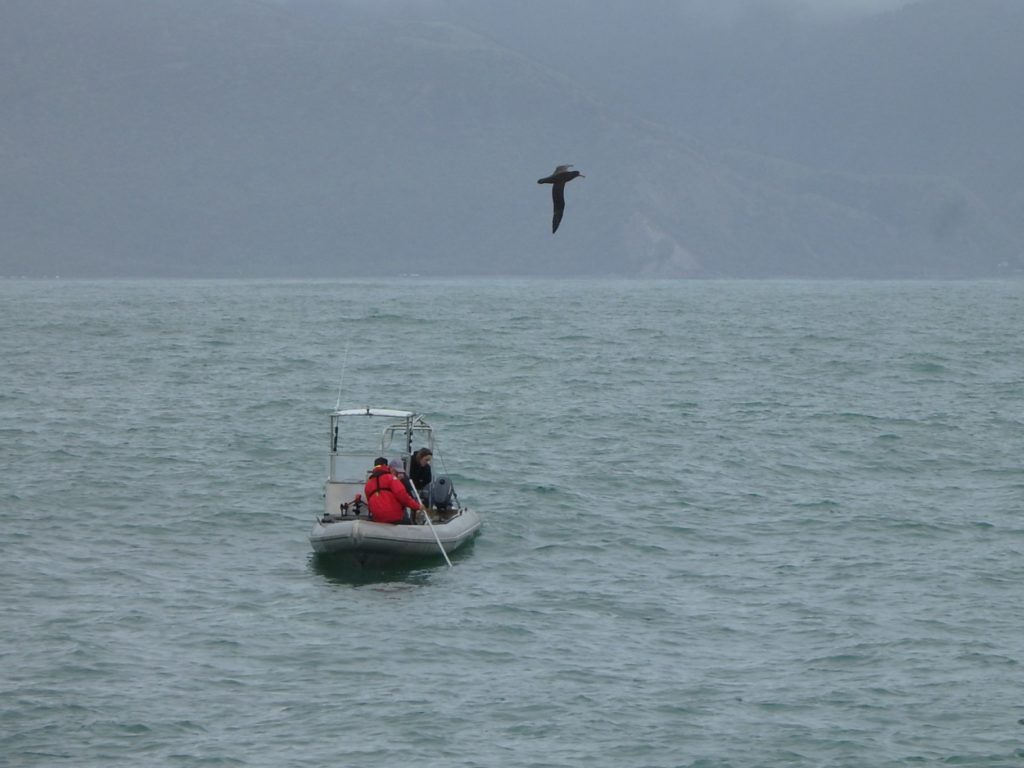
(557, 181)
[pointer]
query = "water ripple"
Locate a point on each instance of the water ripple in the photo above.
(726, 524)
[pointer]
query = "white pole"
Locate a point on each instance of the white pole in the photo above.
(426, 516)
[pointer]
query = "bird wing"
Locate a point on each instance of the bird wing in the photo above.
(561, 169)
(558, 197)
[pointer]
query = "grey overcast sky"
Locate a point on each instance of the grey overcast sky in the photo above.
(849, 6)
(815, 7)
(247, 137)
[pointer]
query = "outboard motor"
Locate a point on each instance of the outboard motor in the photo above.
(440, 493)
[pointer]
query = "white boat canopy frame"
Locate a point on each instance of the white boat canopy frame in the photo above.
(408, 425)
(389, 412)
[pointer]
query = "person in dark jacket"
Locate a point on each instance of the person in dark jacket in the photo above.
(420, 469)
(386, 496)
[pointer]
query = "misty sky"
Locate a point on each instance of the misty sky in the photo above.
(822, 8)
(719, 137)
(848, 5)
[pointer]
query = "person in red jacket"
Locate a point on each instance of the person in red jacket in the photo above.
(386, 495)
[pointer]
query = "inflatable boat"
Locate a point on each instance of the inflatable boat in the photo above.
(358, 436)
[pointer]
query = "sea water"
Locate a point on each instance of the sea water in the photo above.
(725, 524)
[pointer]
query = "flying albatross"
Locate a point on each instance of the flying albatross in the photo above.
(557, 181)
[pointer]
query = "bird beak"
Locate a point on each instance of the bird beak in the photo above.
(582, 176)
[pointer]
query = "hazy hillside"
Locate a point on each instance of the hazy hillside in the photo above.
(249, 138)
